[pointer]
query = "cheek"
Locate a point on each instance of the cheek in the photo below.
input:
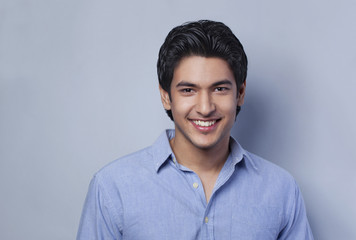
(229, 106)
(181, 107)
(231, 110)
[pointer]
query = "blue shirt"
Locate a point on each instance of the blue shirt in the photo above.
(148, 195)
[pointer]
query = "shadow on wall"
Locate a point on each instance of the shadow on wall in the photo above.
(260, 125)
(249, 124)
(269, 123)
(273, 124)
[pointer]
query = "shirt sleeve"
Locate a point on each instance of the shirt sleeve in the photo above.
(297, 226)
(99, 218)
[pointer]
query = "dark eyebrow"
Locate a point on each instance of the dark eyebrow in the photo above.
(188, 84)
(222, 82)
(185, 84)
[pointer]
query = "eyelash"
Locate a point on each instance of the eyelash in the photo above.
(187, 90)
(221, 89)
(217, 89)
(191, 91)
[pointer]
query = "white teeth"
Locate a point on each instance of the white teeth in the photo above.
(204, 123)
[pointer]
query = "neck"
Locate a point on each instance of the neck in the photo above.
(200, 160)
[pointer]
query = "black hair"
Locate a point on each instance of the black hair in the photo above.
(200, 38)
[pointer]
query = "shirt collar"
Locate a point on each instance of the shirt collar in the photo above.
(238, 153)
(162, 150)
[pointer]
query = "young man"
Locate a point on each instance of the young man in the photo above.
(196, 182)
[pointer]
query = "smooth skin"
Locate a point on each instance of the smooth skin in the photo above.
(203, 89)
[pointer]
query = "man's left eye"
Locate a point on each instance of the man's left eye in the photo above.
(219, 89)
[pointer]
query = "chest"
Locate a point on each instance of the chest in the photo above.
(174, 207)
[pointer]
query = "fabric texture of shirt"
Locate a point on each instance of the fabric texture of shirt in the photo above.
(148, 195)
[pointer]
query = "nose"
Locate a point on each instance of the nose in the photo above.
(205, 105)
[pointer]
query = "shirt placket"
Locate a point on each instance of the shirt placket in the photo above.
(207, 216)
(208, 223)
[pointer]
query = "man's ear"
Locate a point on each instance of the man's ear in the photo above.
(165, 98)
(241, 94)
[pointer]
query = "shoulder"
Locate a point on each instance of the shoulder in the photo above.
(257, 168)
(274, 193)
(269, 173)
(127, 166)
(274, 184)
(264, 164)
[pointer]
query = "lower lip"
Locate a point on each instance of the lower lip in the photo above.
(205, 129)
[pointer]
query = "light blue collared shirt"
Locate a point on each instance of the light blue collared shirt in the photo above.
(148, 195)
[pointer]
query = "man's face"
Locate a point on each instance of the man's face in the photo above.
(203, 101)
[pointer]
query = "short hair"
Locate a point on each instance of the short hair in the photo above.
(203, 38)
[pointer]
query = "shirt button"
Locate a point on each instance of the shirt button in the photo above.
(195, 185)
(206, 220)
(174, 160)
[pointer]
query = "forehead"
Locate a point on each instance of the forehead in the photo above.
(202, 70)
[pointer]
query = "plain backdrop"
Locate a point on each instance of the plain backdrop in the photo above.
(78, 89)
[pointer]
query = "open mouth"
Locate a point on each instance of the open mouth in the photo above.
(204, 123)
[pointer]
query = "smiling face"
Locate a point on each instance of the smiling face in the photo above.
(203, 102)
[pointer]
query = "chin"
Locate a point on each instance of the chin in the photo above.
(204, 145)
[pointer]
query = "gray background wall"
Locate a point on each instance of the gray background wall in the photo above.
(78, 88)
